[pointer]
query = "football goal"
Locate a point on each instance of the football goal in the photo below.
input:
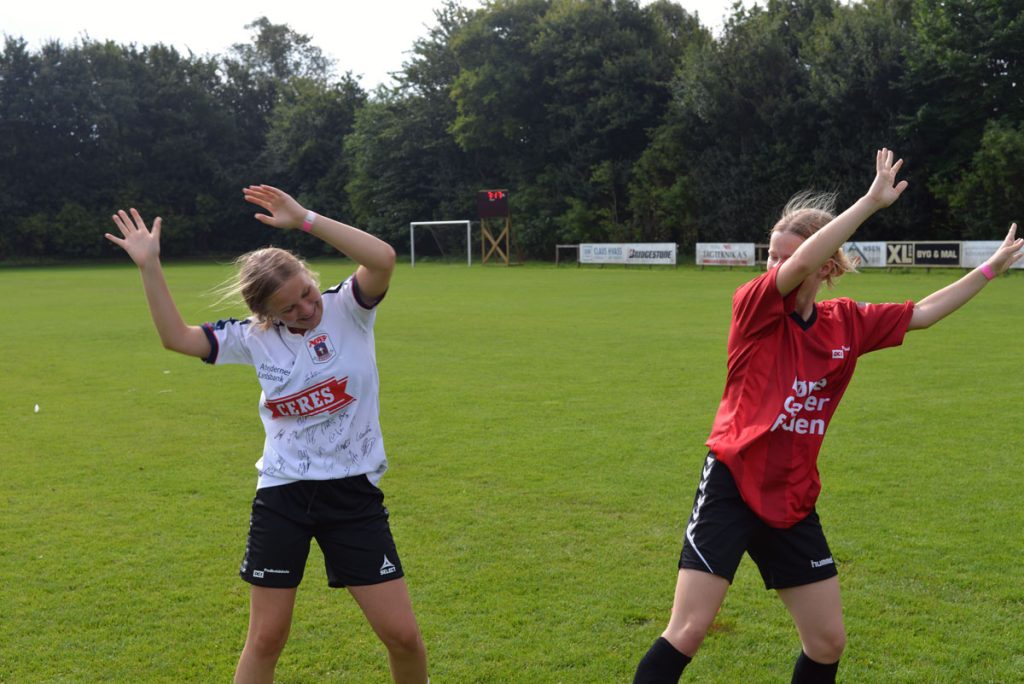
(430, 225)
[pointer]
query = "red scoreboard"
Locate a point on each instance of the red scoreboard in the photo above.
(492, 203)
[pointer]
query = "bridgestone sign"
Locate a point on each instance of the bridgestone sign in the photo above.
(725, 253)
(630, 253)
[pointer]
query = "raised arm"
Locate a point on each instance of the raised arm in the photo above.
(375, 257)
(143, 246)
(941, 303)
(812, 254)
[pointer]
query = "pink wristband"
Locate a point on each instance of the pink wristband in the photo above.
(987, 271)
(307, 225)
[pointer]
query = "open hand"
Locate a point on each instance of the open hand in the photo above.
(285, 212)
(1008, 253)
(142, 245)
(884, 189)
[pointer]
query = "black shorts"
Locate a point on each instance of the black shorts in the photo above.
(347, 518)
(722, 527)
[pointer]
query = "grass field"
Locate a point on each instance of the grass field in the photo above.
(545, 429)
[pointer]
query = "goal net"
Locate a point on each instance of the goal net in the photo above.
(441, 241)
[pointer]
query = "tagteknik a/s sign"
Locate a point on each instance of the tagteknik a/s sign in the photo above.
(725, 253)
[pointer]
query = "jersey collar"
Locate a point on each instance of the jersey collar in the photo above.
(805, 325)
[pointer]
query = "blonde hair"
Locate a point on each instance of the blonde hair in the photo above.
(804, 215)
(261, 273)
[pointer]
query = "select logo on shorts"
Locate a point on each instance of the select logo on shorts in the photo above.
(327, 397)
(388, 567)
(320, 348)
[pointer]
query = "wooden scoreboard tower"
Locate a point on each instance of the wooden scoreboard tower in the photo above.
(492, 207)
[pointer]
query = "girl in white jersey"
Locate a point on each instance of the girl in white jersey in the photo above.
(323, 455)
(790, 358)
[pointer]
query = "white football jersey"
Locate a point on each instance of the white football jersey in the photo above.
(320, 401)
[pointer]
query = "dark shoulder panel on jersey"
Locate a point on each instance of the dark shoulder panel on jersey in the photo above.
(357, 294)
(209, 329)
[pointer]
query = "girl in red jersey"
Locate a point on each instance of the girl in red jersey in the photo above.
(790, 359)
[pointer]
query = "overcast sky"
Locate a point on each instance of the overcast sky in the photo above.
(367, 37)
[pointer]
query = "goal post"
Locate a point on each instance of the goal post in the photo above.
(412, 237)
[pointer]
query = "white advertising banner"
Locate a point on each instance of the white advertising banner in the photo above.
(974, 253)
(725, 253)
(601, 254)
(868, 254)
(639, 253)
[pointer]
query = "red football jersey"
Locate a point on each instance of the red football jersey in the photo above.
(785, 379)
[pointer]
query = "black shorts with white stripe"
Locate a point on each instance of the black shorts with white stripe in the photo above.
(722, 527)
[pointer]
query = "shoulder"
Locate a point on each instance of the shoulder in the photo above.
(754, 292)
(839, 311)
(847, 306)
(348, 292)
(233, 327)
(229, 339)
(839, 304)
(764, 281)
(346, 301)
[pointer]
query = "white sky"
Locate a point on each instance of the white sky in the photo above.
(368, 37)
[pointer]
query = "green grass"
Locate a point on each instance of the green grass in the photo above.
(545, 431)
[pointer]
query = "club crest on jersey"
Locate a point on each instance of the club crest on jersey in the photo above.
(327, 397)
(320, 348)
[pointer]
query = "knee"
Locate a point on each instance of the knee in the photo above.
(267, 642)
(827, 646)
(686, 636)
(403, 641)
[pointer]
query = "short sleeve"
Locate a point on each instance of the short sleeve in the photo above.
(882, 325)
(758, 306)
(353, 304)
(228, 341)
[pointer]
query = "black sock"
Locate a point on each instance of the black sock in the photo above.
(807, 671)
(662, 664)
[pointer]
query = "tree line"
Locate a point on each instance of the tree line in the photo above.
(605, 119)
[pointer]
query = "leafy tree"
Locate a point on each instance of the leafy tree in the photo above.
(406, 164)
(277, 62)
(495, 120)
(305, 144)
(794, 96)
(858, 63)
(597, 75)
(988, 198)
(18, 68)
(737, 138)
(966, 71)
(605, 119)
(95, 126)
(278, 54)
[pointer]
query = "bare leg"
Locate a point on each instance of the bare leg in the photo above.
(270, 620)
(388, 609)
(818, 613)
(698, 597)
